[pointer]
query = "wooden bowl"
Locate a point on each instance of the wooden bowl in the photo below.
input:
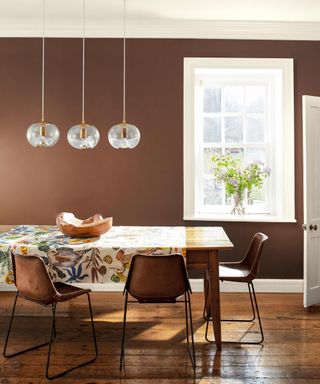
(94, 226)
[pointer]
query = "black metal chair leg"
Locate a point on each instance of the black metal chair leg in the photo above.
(5, 354)
(258, 314)
(206, 333)
(53, 330)
(186, 316)
(53, 308)
(92, 327)
(207, 317)
(252, 308)
(124, 329)
(9, 328)
(193, 356)
(254, 305)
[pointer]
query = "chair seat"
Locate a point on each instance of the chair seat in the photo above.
(67, 292)
(234, 272)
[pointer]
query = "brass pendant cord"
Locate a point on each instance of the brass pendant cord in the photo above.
(43, 48)
(124, 60)
(83, 56)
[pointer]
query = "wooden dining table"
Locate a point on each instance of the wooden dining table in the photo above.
(200, 245)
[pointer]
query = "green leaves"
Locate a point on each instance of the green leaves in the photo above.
(5, 261)
(237, 180)
(43, 246)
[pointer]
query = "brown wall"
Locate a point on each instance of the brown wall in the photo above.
(143, 186)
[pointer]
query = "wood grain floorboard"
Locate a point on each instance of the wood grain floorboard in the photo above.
(155, 342)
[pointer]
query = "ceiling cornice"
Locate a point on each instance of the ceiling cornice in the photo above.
(180, 29)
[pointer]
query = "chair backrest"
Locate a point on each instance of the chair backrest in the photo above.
(32, 279)
(252, 257)
(157, 278)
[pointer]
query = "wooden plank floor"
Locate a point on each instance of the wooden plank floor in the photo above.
(155, 348)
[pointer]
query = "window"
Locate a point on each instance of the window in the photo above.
(243, 107)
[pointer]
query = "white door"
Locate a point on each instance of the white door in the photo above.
(311, 199)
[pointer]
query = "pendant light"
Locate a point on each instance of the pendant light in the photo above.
(43, 133)
(83, 135)
(124, 135)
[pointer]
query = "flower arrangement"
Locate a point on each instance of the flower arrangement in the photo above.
(238, 180)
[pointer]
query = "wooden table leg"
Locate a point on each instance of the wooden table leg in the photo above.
(214, 287)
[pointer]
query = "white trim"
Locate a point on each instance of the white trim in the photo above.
(282, 70)
(266, 285)
(189, 138)
(253, 218)
(288, 138)
(261, 285)
(180, 29)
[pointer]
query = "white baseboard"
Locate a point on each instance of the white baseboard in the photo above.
(261, 285)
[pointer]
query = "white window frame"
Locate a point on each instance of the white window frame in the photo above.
(284, 209)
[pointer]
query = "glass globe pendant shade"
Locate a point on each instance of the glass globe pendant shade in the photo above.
(43, 134)
(83, 136)
(124, 135)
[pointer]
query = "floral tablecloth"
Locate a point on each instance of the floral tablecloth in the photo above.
(94, 260)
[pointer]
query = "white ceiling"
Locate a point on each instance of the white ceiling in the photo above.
(278, 19)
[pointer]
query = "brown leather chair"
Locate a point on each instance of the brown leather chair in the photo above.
(243, 271)
(33, 283)
(159, 279)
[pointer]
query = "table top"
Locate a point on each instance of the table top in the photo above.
(196, 238)
(102, 259)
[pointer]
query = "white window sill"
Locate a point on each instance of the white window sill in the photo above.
(240, 218)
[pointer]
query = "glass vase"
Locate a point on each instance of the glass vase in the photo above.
(238, 207)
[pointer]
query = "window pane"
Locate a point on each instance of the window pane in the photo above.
(233, 99)
(207, 162)
(233, 130)
(257, 195)
(211, 130)
(237, 153)
(254, 129)
(255, 99)
(254, 154)
(212, 192)
(229, 200)
(212, 99)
